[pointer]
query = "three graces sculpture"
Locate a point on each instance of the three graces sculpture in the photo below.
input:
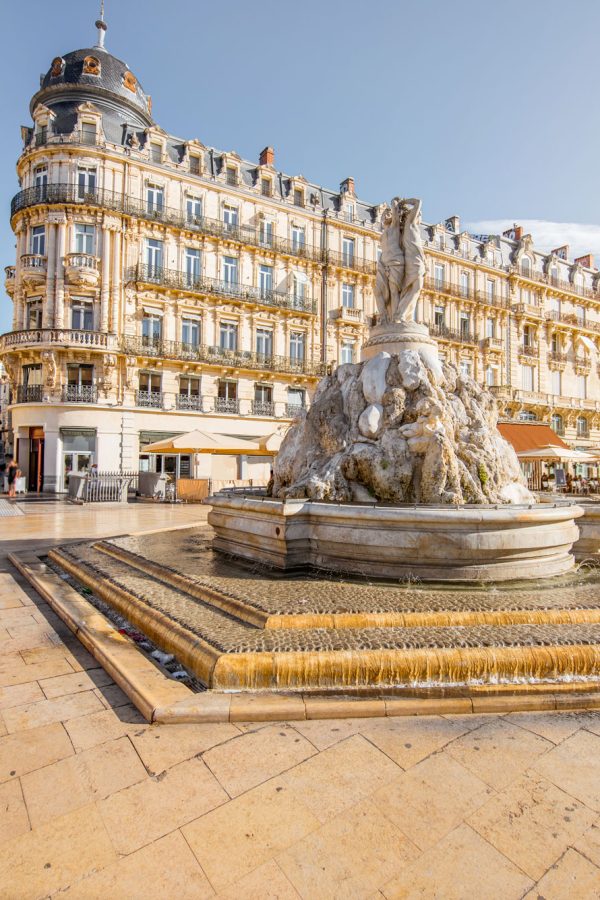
(401, 268)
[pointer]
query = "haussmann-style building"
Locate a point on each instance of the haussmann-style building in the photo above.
(161, 285)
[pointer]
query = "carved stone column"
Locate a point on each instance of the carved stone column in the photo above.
(116, 283)
(105, 286)
(59, 297)
(48, 310)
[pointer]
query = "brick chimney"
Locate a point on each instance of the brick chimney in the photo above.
(267, 157)
(514, 234)
(586, 261)
(347, 186)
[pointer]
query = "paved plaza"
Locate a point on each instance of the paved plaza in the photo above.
(95, 803)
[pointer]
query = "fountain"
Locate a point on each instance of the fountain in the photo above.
(398, 469)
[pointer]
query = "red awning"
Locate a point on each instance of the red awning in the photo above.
(529, 436)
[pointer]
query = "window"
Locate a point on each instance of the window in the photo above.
(490, 375)
(265, 280)
(348, 212)
(490, 327)
(525, 295)
(190, 333)
(194, 165)
(149, 382)
(156, 152)
(348, 251)
(465, 324)
(41, 135)
(580, 313)
(264, 341)
(347, 352)
(230, 217)
(86, 182)
(582, 426)
(438, 277)
(151, 330)
(32, 375)
(348, 296)
(82, 314)
(227, 390)
(230, 270)
(527, 416)
(300, 288)
(88, 133)
(554, 275)
(85, 239)
(465, 368)
(263, 393)
(555, 307)
(154, 255)
(231, 175)
(464, 284)
(192, 266)
(265, 233)
(265, 187)
(38, 240)
(40, 176)
(297, 345)
(556, 423)
(298, 197)
(441, 241)
(34, 313)
(490, 290)
(582, 387)
(528, 340)
(155, 197)
(296, 398)
(527, 376)
(556, 383)
(526, 266)
(298, 238)
(228, 336)
(555, 344)
(189, 386)
(80, 384)
(439, 316)
(193, 208)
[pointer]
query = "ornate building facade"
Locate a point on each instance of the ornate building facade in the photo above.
(161, 285)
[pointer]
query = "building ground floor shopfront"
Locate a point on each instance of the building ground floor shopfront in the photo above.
(52, 441)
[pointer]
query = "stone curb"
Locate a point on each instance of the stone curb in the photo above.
(162, 700)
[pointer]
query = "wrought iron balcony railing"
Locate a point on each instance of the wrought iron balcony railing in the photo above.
(555, 357)
(198, 284)
(33, 393)
(448, 334)
(152, 399)
(223, 405)
(529, 351)
(76, 393)
(189, 401)
(350, 261)
(263, 408)
(294, 409)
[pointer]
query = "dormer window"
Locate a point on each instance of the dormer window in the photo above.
(231, 175)
(298, 197)
(526, 266)
(58, 67)
(156, 152)
(266, 187)
(88, 133)
(91, 66)
(194, 165)
(130, 81)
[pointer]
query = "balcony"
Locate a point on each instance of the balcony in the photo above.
(60, 194)
(218, 356)
(9, 279)
(149, 399)
(573, 320)
(223, 405)
(492, 343)
(67, 337)
(349, 261)
(80, 393)
(189, 402)
(582, 366)
(557, 360)
(488, 298)
(528, 351)
(528, 310)
(34, 393)
(33, 269)
(293, 410)
(441, 286)
(348, 314)
(263, 408)
(181, 281)
(447, 334)
(502, 392)
(82, 269)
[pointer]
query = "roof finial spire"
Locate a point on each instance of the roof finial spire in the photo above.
(101, 26)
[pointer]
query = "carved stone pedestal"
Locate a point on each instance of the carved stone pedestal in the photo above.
(393, 337)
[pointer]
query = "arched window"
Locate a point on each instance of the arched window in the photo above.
(527, 416)
(130, 81)
(58, 65)
(582, 426)
(91, 65)
(557, 423)
(526, 266)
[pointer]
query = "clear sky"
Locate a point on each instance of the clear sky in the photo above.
(485, 110)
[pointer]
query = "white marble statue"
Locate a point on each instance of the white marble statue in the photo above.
(401, 268)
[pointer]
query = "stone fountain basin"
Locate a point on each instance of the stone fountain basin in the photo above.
(431, 543)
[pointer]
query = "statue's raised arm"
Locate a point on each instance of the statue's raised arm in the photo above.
(414, 261)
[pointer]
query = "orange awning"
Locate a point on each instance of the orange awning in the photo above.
(526, 436)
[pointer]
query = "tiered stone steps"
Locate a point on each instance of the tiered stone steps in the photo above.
(236, 629)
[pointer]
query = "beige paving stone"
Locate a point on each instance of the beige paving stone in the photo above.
(431, 799)
(461, 866)
(252, 758)
(532, 822)
(28, 750)
(19, 694)
(165, 868)
(71, 650)
(13, 812)
(21, 615)
(573, 876)
(156, 806)
(163, 746)
(266, 883)
(324, 733)
(554, 726)
(589, 844)
(46, 859)
(23, 637)
(78, 780)
(32, 715)
(10, 600)
(3, 730)
(349, 856)
(408, 740)
(339, 777)
(592, 722)
(574, 766)
(61, 685)
(89, 731)
(111, 696)
(235, 839)
(16, 671)
(498, 752)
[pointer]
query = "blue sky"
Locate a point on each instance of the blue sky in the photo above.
(484, 110)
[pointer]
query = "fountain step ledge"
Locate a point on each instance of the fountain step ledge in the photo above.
(443, 543)
(161, 700)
